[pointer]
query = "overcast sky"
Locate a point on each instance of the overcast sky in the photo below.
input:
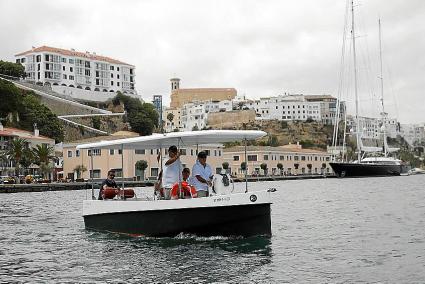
(261, 48)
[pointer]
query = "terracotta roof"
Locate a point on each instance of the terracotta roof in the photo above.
(73, 53)
(15, 132)
(274, 149)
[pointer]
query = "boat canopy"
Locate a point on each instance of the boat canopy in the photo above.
(185, 138)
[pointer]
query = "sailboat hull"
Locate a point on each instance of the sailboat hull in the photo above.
(365, 170)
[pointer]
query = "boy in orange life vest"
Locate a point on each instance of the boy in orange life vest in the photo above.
(108, 183)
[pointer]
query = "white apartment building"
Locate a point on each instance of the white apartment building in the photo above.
(80, 74)
(413, 133)
(287, 107)
(195, 114)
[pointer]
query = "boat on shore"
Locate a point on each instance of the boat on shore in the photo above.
(224, 213)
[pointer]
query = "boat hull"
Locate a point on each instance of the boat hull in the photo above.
(164, 219)
(365, 170)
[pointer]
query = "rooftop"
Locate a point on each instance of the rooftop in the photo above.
(24, 134)
(66, 52)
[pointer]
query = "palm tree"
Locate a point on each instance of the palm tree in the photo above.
(43, 155)
(15, 152)
(3, 160)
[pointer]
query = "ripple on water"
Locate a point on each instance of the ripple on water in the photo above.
(330, 230)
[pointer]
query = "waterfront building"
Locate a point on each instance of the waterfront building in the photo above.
(32, 139)
(285, 108)
(195, 114)
(107, 159)
(180, 96)
(294, 159)
(82, 75)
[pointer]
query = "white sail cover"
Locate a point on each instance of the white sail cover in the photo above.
(186, 138)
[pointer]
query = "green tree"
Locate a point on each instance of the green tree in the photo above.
(195, 128)
(12, 69)
(15, 151)
(79, 170)
(43, 153)
(263, 166)
(142, 165)
(273, 141)
(27, 158)
(243, 166)
(95, 122)
(280, 167)
(10, 94)
(45, 169)
(170, 117)
(225, 165)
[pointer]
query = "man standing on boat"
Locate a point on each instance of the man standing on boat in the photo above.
(202, 175)
(108, 183)
(171, 171)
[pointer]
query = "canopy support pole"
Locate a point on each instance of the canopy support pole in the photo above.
(92, 174)
(122, 171)
(246, 169)
(180, 171)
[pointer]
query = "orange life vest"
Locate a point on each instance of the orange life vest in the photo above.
(188, 190)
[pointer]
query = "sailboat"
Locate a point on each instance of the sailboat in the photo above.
(383, 165)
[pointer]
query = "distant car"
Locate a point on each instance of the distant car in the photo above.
(8, 180)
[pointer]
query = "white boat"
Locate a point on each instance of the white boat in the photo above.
(384, 165)
(416, 171)
(230, 214)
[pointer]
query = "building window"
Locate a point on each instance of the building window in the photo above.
(111, 152)
(118, 172)
(112, 83)
(118, 84)
(111, 67)
(118, 69)
(96, 152)
(296, 158)
(95, 174)
(154, 172)
(71, 69)
(64, 76)
(71, 77)
(282, 158)
(77, 153)
(235, 158)
(69, 154)
(139, 151)
(302, 158)
(252, 158)
(266, 157)
(183, 152)
(119, 151)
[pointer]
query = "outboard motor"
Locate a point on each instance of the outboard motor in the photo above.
(222, 184)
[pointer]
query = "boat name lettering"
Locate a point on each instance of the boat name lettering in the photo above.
(220, 199)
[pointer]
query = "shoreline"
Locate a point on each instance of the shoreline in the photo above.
(15, 188)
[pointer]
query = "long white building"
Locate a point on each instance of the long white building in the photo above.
(79, 74)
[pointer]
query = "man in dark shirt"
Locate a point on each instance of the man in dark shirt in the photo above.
(109, 182)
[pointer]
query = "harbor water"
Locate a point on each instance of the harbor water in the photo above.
(365, 230)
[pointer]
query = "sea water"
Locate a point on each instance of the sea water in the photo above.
(364, 230)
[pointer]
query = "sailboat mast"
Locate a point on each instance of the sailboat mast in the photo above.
(383, 114)
(355, 83)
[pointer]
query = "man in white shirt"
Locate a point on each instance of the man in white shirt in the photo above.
(202, 175)
(171, 171)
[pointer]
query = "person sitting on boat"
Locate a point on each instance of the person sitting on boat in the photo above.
(108, 183)
(186, 176)
(202, 175)
(171, 172)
